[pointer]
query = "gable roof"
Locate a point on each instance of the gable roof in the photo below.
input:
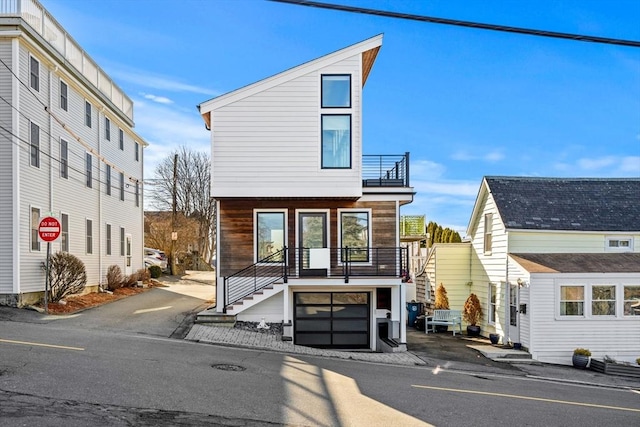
(579, 263)
(367, 48)
(568, 204)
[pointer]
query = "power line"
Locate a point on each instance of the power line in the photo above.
(469, 24)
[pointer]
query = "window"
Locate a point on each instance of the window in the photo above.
(136, 147)
(64, 233)
(121, 241)
(35, 223)
(34, 139)
(64, 159)
(336, 141)
(87, 113)
(121, 139)
(108, 239)
(88, 170)
(64, 96)
(619, 244)
(270, 235)
(631, 301)
(137, 194)
(493, 302)
(107, 129)
(108, 179)
(336, 91)
(354, 234)
(34, 71)
(121, 186)
(488, 231)
(572, 300)
(603, 300)
(89, 236)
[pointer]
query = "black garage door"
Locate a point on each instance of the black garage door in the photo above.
(332, 319)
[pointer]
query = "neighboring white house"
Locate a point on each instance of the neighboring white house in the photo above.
(555, 262)
(307, 225)
(67, 149)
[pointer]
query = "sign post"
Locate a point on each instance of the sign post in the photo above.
(48, 231)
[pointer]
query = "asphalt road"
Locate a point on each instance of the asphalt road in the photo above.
(117, 366)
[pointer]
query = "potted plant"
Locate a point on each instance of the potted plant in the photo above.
(638, 360)
(495, 338)
(580, 357)
(441, 303)
(471, 313)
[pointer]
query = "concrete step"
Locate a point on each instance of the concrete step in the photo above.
(211, 317)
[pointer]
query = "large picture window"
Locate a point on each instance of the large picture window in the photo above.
(270, 235)
(572, 300)
(336, 141)
(336, 91)
(355, 235)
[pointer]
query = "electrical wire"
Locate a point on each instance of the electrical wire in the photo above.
(469, 24)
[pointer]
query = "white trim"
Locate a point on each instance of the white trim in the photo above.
(31, 208)
(620, 238)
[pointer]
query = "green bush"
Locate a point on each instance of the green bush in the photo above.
(155, 271)
(581, 352)
(67, 275)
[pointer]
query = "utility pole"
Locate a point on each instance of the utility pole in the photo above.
(174, 234)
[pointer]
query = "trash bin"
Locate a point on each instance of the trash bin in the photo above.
(414, 309)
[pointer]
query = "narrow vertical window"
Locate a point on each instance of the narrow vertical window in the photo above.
(269, 234)
(488, 232)
(121, 241)
(121, 186)
(137, 194)
(87, 113)
(34, 71)
(571, 300)
(108, 180)
(88, 170)
(89, 236)
(108, 238)
(121, 139)
(137, 151)
(35, 223)
(336, 141)
(493, 302)
(354, 234)
(64, 159)
(107, 129)
(64, 233)
(64, 96)
(34, 137)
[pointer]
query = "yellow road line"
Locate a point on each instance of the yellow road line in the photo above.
(539, 399)
(62, 347)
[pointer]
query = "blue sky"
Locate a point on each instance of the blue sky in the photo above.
(464, 102)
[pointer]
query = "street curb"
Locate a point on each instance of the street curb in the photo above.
(585, 383)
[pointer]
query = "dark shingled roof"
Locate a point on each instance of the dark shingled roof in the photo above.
(579, 263)
(580, 204)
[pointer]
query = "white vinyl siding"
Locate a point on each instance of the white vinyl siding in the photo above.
(564, 241)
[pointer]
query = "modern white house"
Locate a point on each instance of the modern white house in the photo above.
(68, 150)
(555, 263)
(307, 227)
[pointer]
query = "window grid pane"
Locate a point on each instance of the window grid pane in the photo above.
(572, 300)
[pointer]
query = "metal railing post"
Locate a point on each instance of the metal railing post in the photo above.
(224, 296)
(285, 265)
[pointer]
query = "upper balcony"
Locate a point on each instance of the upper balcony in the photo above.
(41, 21)
(385, 170)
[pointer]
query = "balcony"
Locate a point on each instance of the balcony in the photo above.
(385, 170)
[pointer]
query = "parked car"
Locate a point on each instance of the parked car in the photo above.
(155, 257)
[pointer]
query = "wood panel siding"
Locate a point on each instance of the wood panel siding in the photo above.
(236, 247)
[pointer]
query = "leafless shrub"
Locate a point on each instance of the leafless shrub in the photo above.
(67, 275)
(143, 274)
(114, 278)
(130, 280)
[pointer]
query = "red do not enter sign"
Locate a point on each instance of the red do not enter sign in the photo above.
(49, 229)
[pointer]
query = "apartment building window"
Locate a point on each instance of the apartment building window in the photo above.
(107, 129)
(87, 113)
(355, 234)
(64, 233)
(35, 223)
(108, 179)
(493, 303)
(122, 238)
(34, 139)
(64, 96)
(34, 72)
(572, 300)
(488, 232)
(136, 148)
(269, 233)
(64, 159)
(89, 232)
(108, 238)
(121, 139)
(336, 141)
(121, 186)
(336, 91)
(88, 170)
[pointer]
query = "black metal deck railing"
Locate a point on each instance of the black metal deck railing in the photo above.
(334, 263)
(385, 170)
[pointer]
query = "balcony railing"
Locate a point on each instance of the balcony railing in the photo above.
(385, 170)
(334, 263)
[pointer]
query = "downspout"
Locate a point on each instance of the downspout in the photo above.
(100, 249)
(51, 155)
(507, 293)
(15, 162)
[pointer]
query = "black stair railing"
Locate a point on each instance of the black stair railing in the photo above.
(255, 277)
